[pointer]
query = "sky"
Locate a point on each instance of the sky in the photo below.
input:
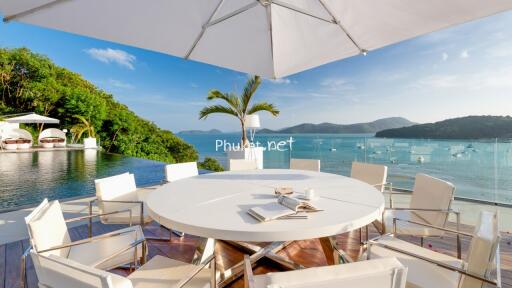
(463, 70)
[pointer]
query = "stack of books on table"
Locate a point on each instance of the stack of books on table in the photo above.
(286, 207)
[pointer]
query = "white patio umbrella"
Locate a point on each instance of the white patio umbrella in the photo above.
(270, 38)
(32, 118)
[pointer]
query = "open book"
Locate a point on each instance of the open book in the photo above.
(285, 208)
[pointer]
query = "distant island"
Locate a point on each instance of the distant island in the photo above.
(470, 127)
(330, 128)
(199, 132)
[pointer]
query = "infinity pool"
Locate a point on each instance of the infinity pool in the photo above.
(28, 178)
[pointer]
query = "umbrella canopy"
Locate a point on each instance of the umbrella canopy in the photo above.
(32, 118)
(271, 38)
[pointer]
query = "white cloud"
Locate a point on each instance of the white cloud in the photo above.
(109, 55)
(464, 54)
(281, 81)
(438, 81)
(120, 84)
(486, 79)
(194, 85)
(502, 50)
(444, 56)
(337, 84)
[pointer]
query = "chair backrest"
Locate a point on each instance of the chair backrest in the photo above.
(58, 272)
(175, 172)
(242, 164)
(483, 249)
(432, 193)
(376, 273)
(372, 174)
(120, 187)
(47, 228)
(305, 164)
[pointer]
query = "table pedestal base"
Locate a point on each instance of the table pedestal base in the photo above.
(226, 276)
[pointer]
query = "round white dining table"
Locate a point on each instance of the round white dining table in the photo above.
(215, 205)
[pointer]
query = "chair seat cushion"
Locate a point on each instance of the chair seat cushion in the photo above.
(359, 274)
(165, 272)
(93, 253)
(406, 228)
(420, 273)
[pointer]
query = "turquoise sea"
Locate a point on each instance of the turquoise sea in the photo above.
(479, 169)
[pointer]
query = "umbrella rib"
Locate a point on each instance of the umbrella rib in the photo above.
(302, 11)
(32, 10)
(234, 13)
(335, 20)
(269, 17)
(203, 29)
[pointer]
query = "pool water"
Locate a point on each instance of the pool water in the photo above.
(28, 178)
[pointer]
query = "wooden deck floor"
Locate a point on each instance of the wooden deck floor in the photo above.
(308, 253)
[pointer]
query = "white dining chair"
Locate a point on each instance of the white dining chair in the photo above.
(305, 164)
(160, 272)
(178, 171)
(379, 273)
(373, 174)
(427, 268)
(242, 164)
(430, 204)
(120, 192)
(48, 235)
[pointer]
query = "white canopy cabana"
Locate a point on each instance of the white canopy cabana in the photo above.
(32, 118)
(271, 38)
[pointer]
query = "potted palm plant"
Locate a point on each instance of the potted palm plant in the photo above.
(79, 129)
(238, 106)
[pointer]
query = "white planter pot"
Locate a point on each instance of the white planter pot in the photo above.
(255, 153)
(90, 143)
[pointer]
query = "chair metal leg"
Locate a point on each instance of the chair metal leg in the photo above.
(459, 251)
(422, 241)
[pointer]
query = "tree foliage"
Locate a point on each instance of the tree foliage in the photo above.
(238, 106)
(31, 82)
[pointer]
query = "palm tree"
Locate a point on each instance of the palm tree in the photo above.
(78, 129)
(238, 106)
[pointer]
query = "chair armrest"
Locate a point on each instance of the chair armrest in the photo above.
(422, 209)
(131, 246)
(118, 201)
(434, 262)
(141, 203)
(433, 226)
(195, 271)
(248, 275)
(390, 192)
(88, 240)
(98, 215)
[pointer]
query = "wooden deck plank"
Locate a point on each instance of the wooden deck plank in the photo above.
(13, 252)
(308, 252)
(2, 266)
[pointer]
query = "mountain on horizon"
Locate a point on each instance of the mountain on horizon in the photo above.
(468, 127)
(357, 128)
(196, 132)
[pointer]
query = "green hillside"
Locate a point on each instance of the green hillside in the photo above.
(470, 127)
(30, 82)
